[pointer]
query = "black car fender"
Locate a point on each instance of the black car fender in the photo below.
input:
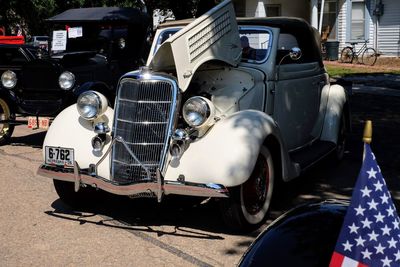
(100, 87)
(8, 97)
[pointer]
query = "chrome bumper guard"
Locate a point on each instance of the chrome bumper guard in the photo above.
(82, 177)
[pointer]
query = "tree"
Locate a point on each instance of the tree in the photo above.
(31, 15)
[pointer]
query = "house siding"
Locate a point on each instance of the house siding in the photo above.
(389, 29)
(342, 24)
(290, 8)
(383, 35)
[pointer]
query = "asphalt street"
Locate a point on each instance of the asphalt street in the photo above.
(37, 229)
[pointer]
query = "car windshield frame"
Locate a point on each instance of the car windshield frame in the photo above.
(249, 28)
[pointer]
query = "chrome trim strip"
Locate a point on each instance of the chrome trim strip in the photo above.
(168, 187)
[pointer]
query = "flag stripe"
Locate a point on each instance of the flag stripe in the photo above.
(337, 260)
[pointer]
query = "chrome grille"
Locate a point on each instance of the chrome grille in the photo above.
(143, 118)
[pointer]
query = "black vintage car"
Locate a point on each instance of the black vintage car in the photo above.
(90, 48)
(304, 237)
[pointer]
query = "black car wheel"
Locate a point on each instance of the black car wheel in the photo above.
(6, 113)
(341, 139)
(84, 198)
(249, 203)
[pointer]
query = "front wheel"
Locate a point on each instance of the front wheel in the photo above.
(6, 113)
(369, 57)
(341, 139)
(84, 198)
(346, 56)
(249, 203)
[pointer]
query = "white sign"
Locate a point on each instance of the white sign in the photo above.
(59, 40)
(75, 32)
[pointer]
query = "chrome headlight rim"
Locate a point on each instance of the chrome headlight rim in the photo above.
(9, 79)
(93, 106)
(198, 111)
(66, 80)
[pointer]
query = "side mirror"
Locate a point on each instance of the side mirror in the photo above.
(295, 53)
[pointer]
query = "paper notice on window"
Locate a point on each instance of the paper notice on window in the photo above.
(59, 40)
(75, 32)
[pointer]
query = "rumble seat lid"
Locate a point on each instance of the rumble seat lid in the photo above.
(213, 36)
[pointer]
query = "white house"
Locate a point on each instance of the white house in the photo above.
(344, 21)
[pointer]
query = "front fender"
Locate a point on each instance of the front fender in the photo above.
(69, 130)
(228, 152)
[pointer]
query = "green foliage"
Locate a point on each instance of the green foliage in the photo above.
(340, 71)
(31, 14)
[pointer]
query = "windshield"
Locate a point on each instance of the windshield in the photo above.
(255, 42)
(96, 38)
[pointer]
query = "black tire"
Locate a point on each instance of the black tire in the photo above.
(84, 198)
(346, 56)
(249, 203)
(369, 56)
(341, 139)
(6, 113)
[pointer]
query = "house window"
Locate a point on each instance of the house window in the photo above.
(328, 31)
(357, 31)
(273, 10)
(240, 8)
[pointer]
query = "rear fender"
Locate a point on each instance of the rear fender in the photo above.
(336, 101)
(228, 152)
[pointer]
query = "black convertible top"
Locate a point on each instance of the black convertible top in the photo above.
(97, 14)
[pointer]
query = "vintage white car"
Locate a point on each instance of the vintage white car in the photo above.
(205, 117)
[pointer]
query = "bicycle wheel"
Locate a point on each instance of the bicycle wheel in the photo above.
(346, 56)
(369, 56)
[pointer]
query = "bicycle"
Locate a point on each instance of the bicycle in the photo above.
(368, 56)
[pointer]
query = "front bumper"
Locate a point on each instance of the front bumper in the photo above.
(82, 177)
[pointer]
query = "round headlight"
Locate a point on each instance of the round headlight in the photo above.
(197, 111)
(91, 105)
(66, 80)
(9, 79)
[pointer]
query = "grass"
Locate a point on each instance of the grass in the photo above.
(339, 70)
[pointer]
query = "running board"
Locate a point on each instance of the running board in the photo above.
(309, 155)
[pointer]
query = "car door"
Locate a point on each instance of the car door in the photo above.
(298, 90)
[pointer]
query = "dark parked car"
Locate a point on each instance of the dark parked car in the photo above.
(12, 58)
(90, 49)
(305, 236)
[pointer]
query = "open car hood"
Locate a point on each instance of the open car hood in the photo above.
(213, 36)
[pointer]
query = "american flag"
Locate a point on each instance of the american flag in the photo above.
(370, 234)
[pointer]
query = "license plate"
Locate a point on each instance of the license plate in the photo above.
(59, 156)
(43, 123)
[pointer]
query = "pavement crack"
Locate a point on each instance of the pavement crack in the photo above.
(171, 249)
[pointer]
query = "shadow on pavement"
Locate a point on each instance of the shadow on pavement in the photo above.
(187, 217)
(35, 139)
